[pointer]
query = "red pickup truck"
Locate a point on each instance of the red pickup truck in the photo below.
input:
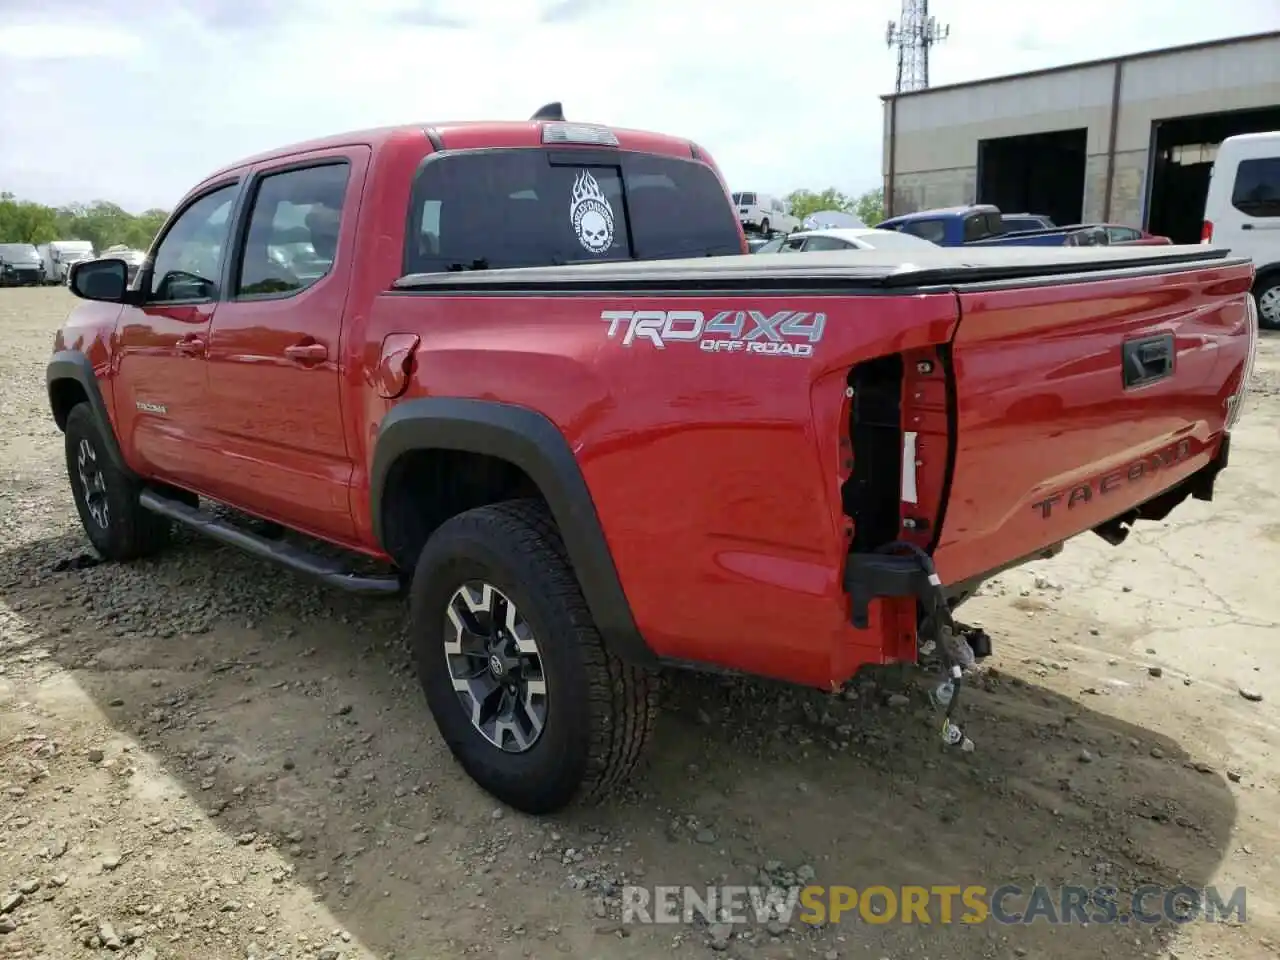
(529, 368)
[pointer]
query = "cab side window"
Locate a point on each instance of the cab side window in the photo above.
(1256, 192)
(293, 230)
(189, 259)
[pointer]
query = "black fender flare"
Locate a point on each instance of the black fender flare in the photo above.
(75, 366)
(533, 443)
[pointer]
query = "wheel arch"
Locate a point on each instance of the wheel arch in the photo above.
(1268, 272)
(70, 380)
(1265, 277)
(531, 444)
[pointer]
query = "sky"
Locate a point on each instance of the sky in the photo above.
(135, 101)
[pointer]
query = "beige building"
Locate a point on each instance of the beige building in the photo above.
(1129, 140)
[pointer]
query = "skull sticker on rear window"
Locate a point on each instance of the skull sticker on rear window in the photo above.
(591, 214)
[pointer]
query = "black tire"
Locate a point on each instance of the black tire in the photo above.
(129, 532)
(1268, 289)
(764, 228)
(599, 711)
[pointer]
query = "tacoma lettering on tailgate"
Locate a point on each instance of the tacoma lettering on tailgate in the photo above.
(1115, 480)
(787, 333)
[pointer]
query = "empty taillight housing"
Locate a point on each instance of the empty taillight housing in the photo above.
(1206, 232)
(1235, 403)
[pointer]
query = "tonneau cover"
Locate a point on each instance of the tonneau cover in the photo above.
(844, 268)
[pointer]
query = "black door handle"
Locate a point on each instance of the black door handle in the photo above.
(1147, 360)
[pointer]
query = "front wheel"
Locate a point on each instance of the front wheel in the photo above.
(1268, 298)
(106, 498)
(524, 693)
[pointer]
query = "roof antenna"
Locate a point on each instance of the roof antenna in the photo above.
(549, 111)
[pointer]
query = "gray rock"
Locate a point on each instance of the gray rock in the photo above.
(1251, 695)
(107, 934)
(720, 934)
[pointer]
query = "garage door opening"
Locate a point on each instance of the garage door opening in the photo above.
(1182, 156)
(1039, 173)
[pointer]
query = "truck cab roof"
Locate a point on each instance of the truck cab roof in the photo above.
(477, 134)
(960, 211)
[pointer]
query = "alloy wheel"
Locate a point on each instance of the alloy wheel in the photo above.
(92, 484)
(495, 666)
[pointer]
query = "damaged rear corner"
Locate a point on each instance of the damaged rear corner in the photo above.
(1199, 486)
(899, 423)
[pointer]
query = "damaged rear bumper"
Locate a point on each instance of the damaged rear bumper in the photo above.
(872, 575)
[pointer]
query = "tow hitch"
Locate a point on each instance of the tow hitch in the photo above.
(901, 569)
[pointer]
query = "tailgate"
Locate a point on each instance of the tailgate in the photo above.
(1078, 401)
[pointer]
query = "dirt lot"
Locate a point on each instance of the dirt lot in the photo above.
(204, 757)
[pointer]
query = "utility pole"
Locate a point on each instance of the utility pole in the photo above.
(913, 35)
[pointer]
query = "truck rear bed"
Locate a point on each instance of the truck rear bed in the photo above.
(848, 269)
(809, 410)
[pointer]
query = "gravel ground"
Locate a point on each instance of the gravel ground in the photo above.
(204, 757)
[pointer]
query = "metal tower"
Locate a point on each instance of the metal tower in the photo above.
(913, 35)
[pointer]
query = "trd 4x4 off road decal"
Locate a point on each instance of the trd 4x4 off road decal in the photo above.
(787, 333)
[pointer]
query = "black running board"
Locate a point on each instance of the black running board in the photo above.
(328, 571)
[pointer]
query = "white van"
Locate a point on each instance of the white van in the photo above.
(764, 214)
(1242, 211)
(59, 255)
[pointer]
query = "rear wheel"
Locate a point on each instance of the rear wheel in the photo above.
(524, 693)
(1268, 296)
(106, 498)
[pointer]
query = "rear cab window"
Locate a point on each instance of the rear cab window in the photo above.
(1256, 192)
(527, 207)
(934, 231)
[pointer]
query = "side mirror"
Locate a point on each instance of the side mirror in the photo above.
(100, 280)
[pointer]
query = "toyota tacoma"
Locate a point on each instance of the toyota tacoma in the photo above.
(529, 369)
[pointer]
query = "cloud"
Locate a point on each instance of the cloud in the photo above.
(565, 11)
(68, 41)
(783, 95)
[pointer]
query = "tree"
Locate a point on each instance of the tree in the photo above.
(22, 221)
(806, 202)
(101, 223)
(870, 207)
